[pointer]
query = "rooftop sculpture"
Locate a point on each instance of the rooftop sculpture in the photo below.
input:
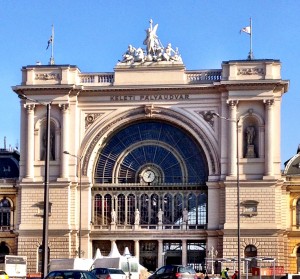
(154, 52)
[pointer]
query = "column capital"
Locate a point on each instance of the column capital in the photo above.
(29, 107)
(64, 107)
(232, 103)
(269, 102)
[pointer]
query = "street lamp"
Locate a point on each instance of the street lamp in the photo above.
(46, 188)
(207, 117)
(79, 158)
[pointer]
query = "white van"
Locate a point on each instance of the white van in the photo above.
(76, 263)
(129, 266)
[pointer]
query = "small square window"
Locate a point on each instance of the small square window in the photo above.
(250, 208)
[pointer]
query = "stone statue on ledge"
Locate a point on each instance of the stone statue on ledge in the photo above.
(155, 51)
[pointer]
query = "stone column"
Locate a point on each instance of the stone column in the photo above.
(232, 171)
(184, 252)
(161, 255)
(268, 137)
(30, 142)
(64, 140)
(137, 249)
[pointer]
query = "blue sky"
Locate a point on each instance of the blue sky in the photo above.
(93, 35)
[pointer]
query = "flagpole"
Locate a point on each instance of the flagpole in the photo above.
(250, 56)
(52, 47)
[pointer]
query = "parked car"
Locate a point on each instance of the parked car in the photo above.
(174, 272)
(70, 274)
(3, 274)
(108, 273)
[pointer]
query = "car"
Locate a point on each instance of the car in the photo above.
(70, 274)
(174, 272)
(108, 273)
(3, 275)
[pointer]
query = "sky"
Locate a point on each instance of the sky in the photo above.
(93, 35)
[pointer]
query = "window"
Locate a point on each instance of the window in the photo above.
(250, 252)
(5, 209)
(298, 213)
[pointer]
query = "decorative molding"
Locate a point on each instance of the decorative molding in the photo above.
(149, 110)
(90, 118)
(250, 71)
(209, 118)
(47, 76)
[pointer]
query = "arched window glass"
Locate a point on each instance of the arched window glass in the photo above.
(144, 209)
(167, 208)
(107, 209)
(130, 209)
(201, 212)
(178, 208)
(98, 210)
(121, 209)
(298, 213)
(251, 252)
(192, 208)
(5, 209)
(172, 150)
(154, 208)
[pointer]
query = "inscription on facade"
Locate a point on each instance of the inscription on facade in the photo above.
(171, 97)
(47, 76)
(250, 71)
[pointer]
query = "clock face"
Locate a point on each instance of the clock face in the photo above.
(148, 176)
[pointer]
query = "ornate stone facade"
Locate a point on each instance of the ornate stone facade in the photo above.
(145, 144)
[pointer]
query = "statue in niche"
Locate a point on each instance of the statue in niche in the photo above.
(51, 145)
(250, 136)
(250, 131)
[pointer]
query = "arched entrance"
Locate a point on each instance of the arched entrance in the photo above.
(148, 174)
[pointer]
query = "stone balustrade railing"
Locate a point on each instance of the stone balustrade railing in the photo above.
(104, 79)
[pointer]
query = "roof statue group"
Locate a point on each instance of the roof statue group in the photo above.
(155, 51)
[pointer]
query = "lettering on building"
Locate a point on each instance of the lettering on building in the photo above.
(126, 98)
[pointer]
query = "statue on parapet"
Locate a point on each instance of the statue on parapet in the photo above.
(155, 51)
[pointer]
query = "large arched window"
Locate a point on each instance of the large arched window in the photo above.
(5, 210)
(170, 152)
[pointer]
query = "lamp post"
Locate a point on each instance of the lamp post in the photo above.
(207, 117)
(79, 158)
(44, 270)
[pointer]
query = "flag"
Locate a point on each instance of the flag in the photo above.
(246, 30)
(49, 42)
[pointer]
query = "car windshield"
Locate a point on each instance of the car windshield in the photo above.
(115, 271)
(186, 269)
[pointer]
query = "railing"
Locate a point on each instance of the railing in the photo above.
(150, 227)
(106, 79)
(204, 76)
(97, 78)
(6, 228)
